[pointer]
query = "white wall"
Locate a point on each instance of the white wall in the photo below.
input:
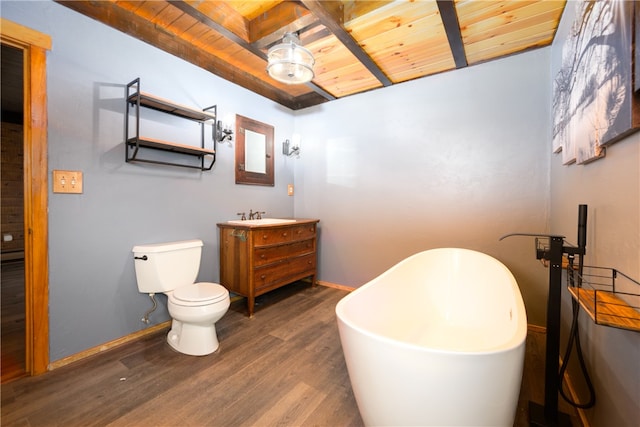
(456, 159)
(93, 294)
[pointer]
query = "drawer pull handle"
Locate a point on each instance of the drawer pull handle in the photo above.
(263, 276)
(263, 256)
(284, 234)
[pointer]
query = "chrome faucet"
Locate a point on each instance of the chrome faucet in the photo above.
(244, 216)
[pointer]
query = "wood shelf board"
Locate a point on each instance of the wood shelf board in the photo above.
(161, 104)
(170, 146)
(605, 308)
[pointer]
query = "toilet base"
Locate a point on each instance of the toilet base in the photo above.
(193, 339)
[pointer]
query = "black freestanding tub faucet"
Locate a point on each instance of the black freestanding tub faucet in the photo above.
(553, 252)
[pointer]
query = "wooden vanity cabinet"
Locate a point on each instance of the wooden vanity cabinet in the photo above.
(255, 259)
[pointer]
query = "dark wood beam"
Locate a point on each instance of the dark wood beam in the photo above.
(112, 15)
(201, 17)
(271, 25)
(333, 21)
(217, 27)
(308, 100)
(356, 9)
(308, 37)
(301, 26)
(452, 28)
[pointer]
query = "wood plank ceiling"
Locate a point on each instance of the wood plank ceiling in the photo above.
(358, 45)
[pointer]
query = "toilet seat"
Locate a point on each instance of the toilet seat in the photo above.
(198, 294)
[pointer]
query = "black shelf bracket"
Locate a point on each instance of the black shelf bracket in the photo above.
(134, 142)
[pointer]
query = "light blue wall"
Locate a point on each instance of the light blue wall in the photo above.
(610, 187)
(456, 159)
(93, 294)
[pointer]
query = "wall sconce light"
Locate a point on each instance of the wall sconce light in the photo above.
(224, 132)
(291, 148)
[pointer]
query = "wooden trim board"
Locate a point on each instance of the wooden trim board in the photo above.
(109, 345)
(34, 46)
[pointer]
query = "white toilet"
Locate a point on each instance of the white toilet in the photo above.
(172, 268)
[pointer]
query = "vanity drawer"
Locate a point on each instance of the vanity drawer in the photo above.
(269, 254)
(284, 270)
(272, 236)
(302, 232)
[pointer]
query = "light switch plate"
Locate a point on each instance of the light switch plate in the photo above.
(67, 181)
(290, 189)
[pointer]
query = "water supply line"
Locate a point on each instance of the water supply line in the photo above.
(145, 318)
(574, 335)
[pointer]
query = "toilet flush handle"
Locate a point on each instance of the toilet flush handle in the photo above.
(143, 257)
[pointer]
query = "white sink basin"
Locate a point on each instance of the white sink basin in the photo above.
(263, 221)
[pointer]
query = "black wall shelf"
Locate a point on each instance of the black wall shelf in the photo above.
(136, 99)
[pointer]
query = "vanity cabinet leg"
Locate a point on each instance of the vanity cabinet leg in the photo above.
(251, 301)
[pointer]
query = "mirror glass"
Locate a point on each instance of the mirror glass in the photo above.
(254, 152)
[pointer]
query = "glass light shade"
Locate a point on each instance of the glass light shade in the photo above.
(289, 62)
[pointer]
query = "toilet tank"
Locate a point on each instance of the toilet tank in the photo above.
(162, 267)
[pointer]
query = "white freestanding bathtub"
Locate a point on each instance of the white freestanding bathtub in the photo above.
(436, 340)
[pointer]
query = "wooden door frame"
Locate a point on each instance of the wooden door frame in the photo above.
(34, 46)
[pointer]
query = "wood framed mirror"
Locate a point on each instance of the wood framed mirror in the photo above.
(254, 152)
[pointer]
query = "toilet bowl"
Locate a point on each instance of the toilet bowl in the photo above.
(194, 310)
(171, 268)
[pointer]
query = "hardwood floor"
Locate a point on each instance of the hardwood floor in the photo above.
(282, 367)
(12, 320)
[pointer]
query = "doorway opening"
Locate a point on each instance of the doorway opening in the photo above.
(25, 232)
(12, 311)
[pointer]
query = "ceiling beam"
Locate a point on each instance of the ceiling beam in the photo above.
(285, 17)
(452, 28)
(116, 17)
(204, 19)
(217, 27)
(356, 9)
(333, 21)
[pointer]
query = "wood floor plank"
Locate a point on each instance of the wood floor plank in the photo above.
(293, 408)
(336, 410)
(12, 316)
(283, 367)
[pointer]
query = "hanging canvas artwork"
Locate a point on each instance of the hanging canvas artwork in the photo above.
(594, 103)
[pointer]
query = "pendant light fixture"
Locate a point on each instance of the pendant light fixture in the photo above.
(289, 62)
